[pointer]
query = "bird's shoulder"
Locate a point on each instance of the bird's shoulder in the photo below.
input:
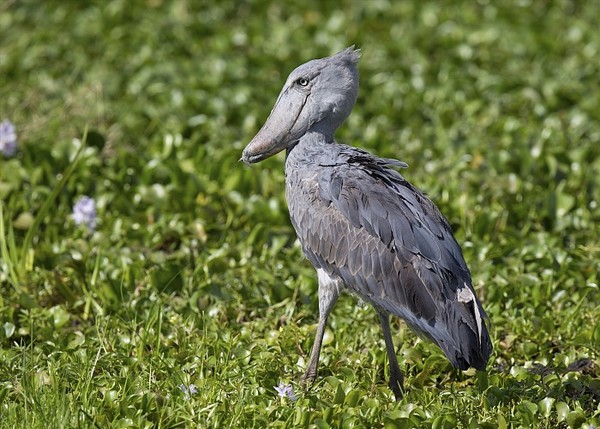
(370, 193)
(351, 186)
(365, 223)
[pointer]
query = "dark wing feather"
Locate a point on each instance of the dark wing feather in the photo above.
(360, 220)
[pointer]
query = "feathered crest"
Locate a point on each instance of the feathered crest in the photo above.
(349, 54)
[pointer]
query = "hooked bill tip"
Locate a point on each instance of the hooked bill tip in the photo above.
(260, 148)
(251, 158)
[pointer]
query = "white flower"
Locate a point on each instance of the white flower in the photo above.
(286, 391)
(8, 138)
(84, 212)
(188, 391)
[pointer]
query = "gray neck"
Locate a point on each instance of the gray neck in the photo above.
(324, 128)
(310, 150)
(317, 135)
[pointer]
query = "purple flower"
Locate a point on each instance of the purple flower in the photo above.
(84, 212)
(285, 391)
(8, 139)
(188, 391)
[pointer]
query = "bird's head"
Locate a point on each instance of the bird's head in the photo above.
(318, 95)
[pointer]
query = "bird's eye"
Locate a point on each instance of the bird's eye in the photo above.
(302, 81)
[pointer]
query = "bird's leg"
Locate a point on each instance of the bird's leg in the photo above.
(328, 295)
(396, 378)
(313, 363)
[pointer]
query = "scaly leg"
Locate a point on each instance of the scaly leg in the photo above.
(396, 378)
(329, 290)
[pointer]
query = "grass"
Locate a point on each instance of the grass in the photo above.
(194, 276)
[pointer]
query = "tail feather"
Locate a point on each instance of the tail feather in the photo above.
(470, 345)
(473, 352)
(459, 329)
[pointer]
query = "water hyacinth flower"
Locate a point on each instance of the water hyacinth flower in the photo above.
(286, 391)
(84, 212)
(188, 391)
(8, 139)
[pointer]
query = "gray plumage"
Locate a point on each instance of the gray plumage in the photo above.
(363, 226)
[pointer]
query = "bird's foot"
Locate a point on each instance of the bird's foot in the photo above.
(396, 385)
(397, 392)
(308, 378)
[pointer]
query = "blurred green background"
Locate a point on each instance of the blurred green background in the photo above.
(193, 274)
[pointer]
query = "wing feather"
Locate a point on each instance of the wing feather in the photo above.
(389, 244)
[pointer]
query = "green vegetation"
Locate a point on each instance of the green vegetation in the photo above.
(193, 274)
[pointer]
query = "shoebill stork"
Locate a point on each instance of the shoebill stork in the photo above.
(363, 226)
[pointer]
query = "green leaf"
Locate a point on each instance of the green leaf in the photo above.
(501, 422)
(9, 329)
(562, 411)
(24, 221)
(545, 406)
(530, 406)
(59, 316)
(339, 395)
(352, 398)
(575, 419)
(167, 278)
(76, 341)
